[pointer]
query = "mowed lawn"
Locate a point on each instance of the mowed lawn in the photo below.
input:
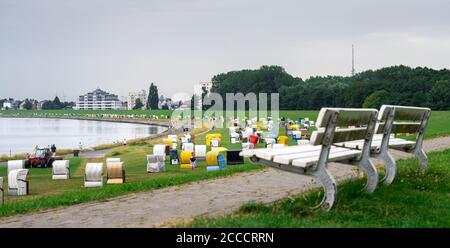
(47, 193)
(415, 199)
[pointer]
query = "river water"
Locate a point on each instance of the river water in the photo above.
(21, 135)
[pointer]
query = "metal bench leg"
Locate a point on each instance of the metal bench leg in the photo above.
(389, 163)
(329, 187)
(321, 173)
(422, 156)
(371, 173)
(418, 150)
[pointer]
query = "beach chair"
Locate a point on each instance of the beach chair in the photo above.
(200, 152)
(234, 138)
(160, 150)
(392, 120)
(17, 182)
(2, 198)
(270, 142)
(93, 175)
(61, 170)
(247, 145)
(233, 157)
(155, 163)
(174, 157)
(115, 173)
(334, 125)
(15, 165)
(187, 147)
(112, 160)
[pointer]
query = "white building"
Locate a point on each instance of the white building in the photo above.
(132, 96)
(198, 90)
(98, 99)
(7, 105)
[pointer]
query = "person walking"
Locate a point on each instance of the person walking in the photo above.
(193, 165)
(53, 149)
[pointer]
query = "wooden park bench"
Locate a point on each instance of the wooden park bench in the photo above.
(335, 125)
(393, 120)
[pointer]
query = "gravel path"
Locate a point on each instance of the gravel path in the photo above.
(164, 206)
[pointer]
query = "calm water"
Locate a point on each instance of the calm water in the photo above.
(21, 135)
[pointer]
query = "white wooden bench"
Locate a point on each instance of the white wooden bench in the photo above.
(334, 125)
(397, 119)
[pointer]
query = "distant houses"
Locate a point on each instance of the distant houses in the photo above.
(95, 100)
(98, 100)
(133, 96)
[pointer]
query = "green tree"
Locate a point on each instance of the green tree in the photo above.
(138, 104)
(57, 103)
(376, 99)
(439, 95)
(153, 97)
(27, 105)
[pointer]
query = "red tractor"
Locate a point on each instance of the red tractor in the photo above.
(42, 157)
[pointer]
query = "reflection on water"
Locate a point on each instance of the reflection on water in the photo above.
(21, 135)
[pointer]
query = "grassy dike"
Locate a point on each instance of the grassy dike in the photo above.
(46, 193)
(415, 199)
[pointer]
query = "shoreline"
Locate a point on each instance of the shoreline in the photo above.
(98, 147)
(87, 118)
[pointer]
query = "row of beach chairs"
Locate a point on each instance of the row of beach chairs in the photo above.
(18, 183)
(351, 136)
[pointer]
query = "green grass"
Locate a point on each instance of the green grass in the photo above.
(47, 193)
(413, 200)
(439, 124)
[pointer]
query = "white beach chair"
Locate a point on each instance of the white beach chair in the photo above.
(247, 145)
(160, 150)
(17, 182)
(187, 147)
(335, 125)
(173, 137)
(200, 152)
(61, 169)
(15, 165)
(93, 176)
(155, 163)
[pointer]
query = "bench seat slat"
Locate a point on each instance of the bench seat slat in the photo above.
(268, 154)
(287, 159)
(337, 156)
(393, 142)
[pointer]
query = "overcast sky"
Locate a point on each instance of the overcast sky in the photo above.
(67, 47)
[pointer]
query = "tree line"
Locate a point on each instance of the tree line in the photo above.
(398, 85)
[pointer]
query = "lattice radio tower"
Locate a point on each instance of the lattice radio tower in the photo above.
(353, 61)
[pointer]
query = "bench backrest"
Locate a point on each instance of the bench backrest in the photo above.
(336, 125)
(405, 119)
